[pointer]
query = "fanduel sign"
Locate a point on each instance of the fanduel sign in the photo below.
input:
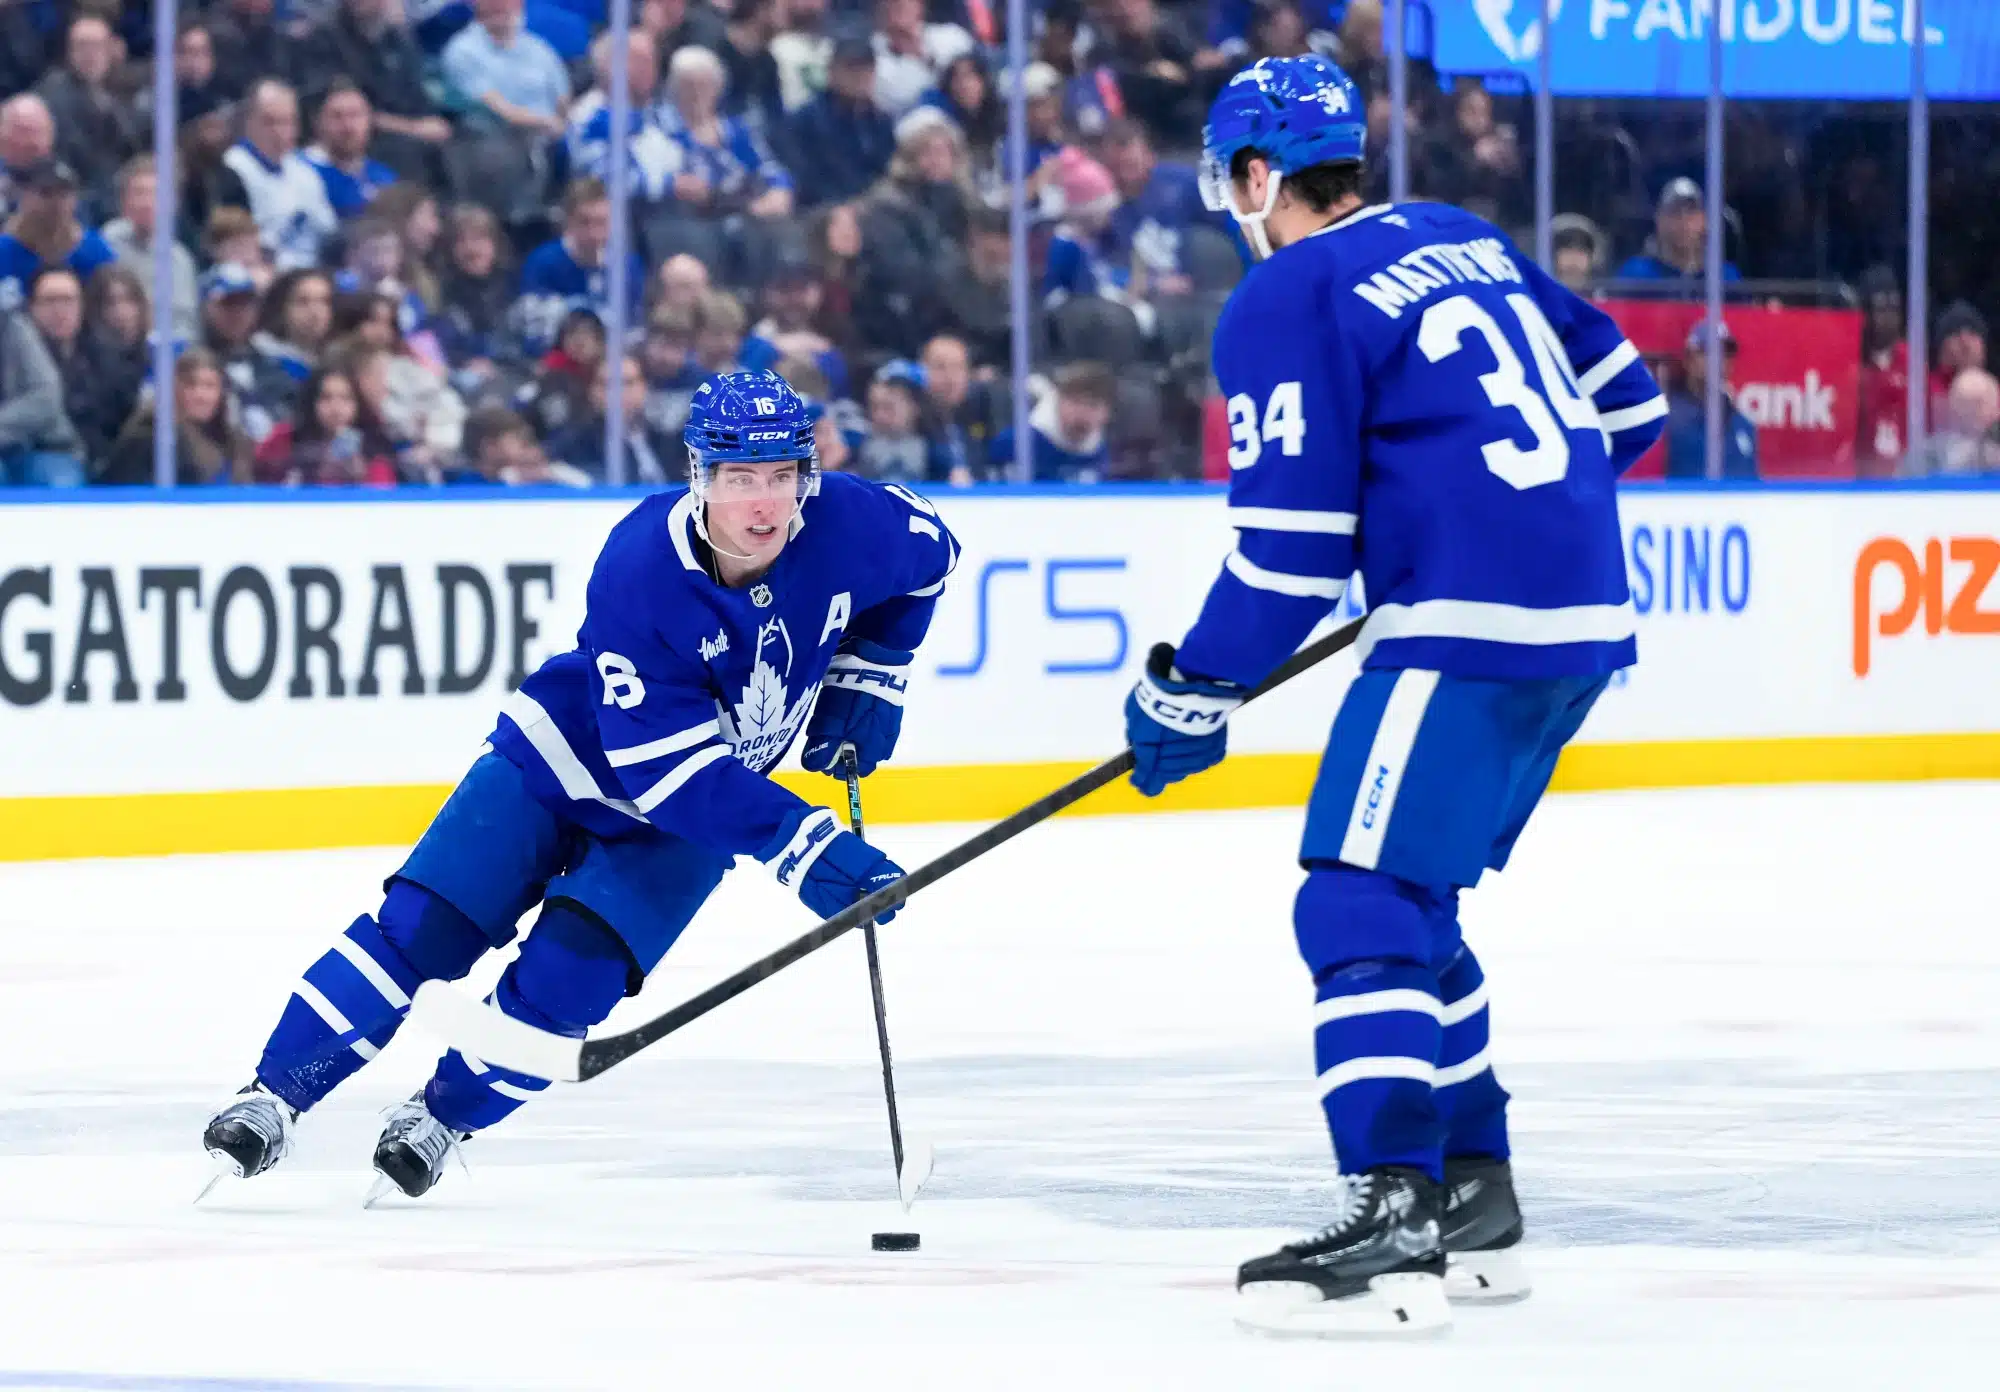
(1856, 49)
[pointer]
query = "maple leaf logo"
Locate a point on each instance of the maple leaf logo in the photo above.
(762, 726)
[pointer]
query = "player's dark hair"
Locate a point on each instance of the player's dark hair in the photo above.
(1318, 186)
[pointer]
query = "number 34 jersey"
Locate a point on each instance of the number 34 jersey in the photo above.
(1411, 397)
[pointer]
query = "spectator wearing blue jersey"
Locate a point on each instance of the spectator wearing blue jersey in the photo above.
(571, 272)
(840, 142)
(45, 232)
(514, 74)
(1085, 257)
(1678, 248)
(652, 158)
(740, 173)
(345, 125)
(1159, 200)
(1067, 429)
(1687, 415)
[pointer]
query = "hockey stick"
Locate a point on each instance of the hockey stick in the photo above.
(469, 1026)
(913, 1171)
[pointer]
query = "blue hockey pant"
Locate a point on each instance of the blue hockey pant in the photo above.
(610, 909)
(1427, 783)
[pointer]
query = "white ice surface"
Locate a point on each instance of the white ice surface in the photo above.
(1752, 1038)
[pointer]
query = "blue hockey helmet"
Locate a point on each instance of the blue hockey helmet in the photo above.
(1295, 113)
(750, 418)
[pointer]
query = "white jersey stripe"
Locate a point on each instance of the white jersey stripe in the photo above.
(1615, 362)
(1357, 1070)
(1466, 1007)
(660, 748)
(330, 1013)
(1377, 1003)
(1633, 416)
(1461, 1072)
(384, 984)
(1388, 757)
(1270, 519)
(678, 775)
(1496, 623)
(1282, 582)
(542, 732)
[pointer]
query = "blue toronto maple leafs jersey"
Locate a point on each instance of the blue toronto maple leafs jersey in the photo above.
(1412, 398)
(681, 693)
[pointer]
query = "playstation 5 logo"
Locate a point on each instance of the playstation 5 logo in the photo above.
(1495, 16)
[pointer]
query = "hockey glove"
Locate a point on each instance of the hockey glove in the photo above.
(826, 867)
(1177, 723)
(860, 703)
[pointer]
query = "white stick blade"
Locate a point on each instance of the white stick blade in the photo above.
(918, 1162)
(474, 1028)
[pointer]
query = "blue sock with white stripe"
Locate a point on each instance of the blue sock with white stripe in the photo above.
(571, 972)
(1473, 1103)
(350, 1002)
(1376, 1044)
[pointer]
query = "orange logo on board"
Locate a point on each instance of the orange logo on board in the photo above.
(1924, 583)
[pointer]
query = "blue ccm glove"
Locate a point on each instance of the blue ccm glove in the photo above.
(860, 703)
(1177, 723)
(826, 867)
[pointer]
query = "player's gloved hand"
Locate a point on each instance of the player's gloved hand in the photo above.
(828, 868)
(860, 703)
(1177, 723)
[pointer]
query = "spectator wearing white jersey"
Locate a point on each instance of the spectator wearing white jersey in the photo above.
(265, 173)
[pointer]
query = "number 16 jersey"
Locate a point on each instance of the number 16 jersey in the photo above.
(1411, 397)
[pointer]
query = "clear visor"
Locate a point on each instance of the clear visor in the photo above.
(784, 480)
(1216, 187)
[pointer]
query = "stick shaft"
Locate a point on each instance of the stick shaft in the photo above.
(600, 1054)
(853, 773)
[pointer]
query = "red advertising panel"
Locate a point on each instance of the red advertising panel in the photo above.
(1797, 377)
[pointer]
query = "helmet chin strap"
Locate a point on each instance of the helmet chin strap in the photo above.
(1253, 223)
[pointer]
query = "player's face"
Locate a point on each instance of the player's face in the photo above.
(750, 508)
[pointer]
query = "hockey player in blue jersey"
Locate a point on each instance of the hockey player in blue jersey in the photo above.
(625, 776)
(1411, 398)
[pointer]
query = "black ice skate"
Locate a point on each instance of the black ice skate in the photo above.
(412, 1150)
(1378, 1270)
(248, 1136)
(1482, 1230)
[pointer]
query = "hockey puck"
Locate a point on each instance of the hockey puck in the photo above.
(895, 1242)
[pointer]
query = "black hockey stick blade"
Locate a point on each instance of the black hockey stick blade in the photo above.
(496, 1038)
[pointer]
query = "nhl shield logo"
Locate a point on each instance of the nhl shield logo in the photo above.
(760, 595)
(1496, 17)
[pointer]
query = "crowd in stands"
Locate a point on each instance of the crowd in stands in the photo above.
(390, 248)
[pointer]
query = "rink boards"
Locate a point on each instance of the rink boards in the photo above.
(279, 671)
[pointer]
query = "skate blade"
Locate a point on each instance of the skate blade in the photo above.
(1406, 1305)
(222, 1172)
(1487, 1278)
(381, 1188)
(916, 1172)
